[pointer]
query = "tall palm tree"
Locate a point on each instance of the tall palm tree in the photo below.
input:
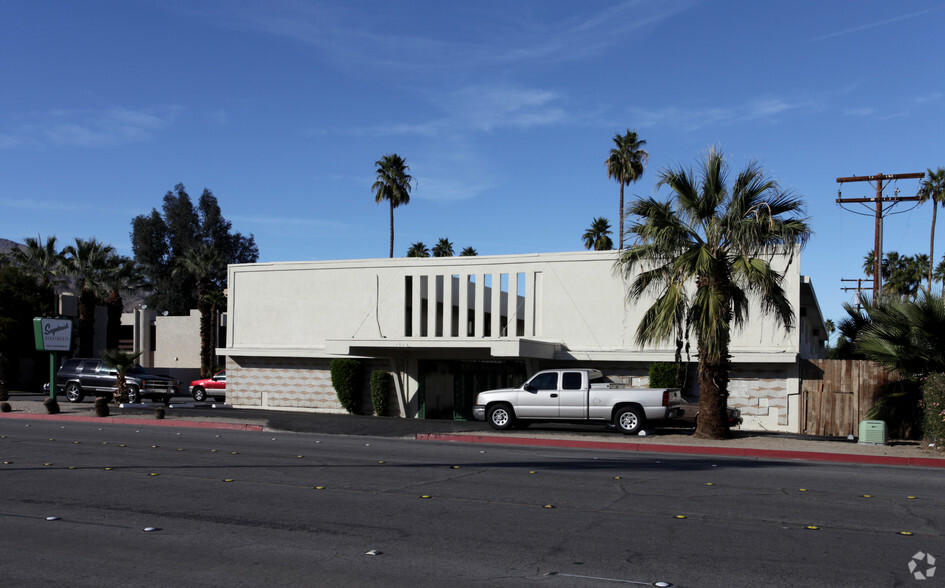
(43, 262)
(597, 236)
(702, 253)
(933, 188)
(443, 248)
(205, 265)
(625, 164)
(418, 249)
(393, 184)
(87, 264)
(468, 252)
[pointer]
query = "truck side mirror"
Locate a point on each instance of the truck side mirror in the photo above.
(528, 387)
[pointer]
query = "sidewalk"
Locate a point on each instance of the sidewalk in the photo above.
(749, 444)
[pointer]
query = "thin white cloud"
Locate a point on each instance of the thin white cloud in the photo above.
(87, 128)
(873, 25)
(391, 39)
(863, 111)
(42, 205)
(698, 118)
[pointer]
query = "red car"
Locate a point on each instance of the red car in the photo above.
(214, 387)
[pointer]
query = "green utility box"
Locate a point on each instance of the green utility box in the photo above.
(873, 432)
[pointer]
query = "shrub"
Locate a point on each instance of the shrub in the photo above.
(933, 403)
(380, 391)
(665, 375)
(899, 407)
(101, 406)
(5, 407)
(52, 407)
(346, 380)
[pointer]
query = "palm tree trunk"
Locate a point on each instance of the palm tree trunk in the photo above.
(621, 216)
(932, 243)
(86, 323)
(713, 400)
(392, 229)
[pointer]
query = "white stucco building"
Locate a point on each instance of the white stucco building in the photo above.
(448, 328)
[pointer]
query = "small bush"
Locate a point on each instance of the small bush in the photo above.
(380, 391)
(933, 404)
(52, 407)
(5, 407)
(346, 379)
(159, 413)
(665, 375)
(101, 406)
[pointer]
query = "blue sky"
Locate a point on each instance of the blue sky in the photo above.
(505, 113)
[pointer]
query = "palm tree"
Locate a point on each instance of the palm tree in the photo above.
(933, 188)
(123, 362)
(87, 263)
(120, 277)
(393, 185)
(597, 236)
(906, 337)
(418, 249)
(939, 274)
(205, 265)
(625, 164)
(468, 252)
(43, 262)
(702, 254)
(443, 248)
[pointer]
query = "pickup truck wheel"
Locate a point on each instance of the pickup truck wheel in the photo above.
(199, 394)
(629, 420)
(500, 417)
(74, 392)
(134, 396)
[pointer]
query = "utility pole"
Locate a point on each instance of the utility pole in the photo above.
(879, 181)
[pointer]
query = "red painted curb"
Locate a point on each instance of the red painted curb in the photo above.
(926, 462)
(134, 421)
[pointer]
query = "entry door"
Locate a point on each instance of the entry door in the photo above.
(540, 401)
(572, 397)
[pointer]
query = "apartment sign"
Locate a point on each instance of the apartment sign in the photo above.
(52, 334)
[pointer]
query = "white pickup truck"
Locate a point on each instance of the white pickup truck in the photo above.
(575, 395)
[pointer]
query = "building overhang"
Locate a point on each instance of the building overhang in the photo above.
(507, 347)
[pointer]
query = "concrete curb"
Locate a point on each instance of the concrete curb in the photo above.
(926, 462)
(135, 421)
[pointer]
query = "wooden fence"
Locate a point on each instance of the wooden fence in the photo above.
(836, 393)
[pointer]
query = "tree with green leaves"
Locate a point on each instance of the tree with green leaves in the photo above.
(933, 188)
(939, 274)
(205, 265)
(87, 264)
(443, 248)
(704, 254)
(907, 337)
(44, 262)
(418, 249)
(468, 252)
(123, 362)
(626, 163)
(393, 184)
(597, 236)
(160, 239)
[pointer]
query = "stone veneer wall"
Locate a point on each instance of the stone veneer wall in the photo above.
(761, 393)
(279, 382)
(294, 383)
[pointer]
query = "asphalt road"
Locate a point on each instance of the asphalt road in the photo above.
(287, 509)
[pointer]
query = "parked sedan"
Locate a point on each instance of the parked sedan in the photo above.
(214, 387)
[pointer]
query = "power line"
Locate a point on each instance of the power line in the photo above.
(879, 181)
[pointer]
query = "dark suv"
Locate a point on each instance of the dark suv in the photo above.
(78, 377)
